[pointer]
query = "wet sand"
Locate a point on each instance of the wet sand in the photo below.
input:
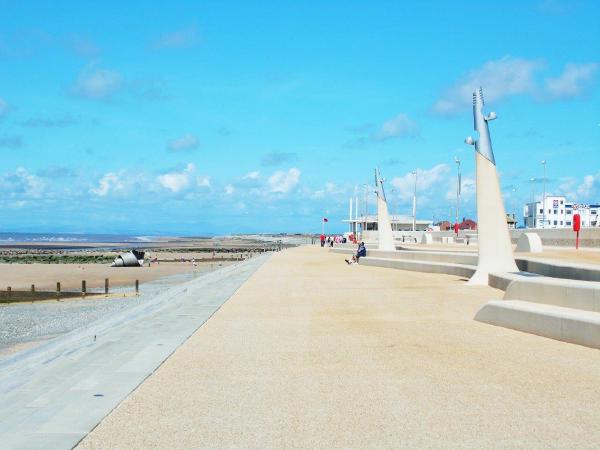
(45, 276)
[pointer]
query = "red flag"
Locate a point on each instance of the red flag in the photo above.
(325, 219)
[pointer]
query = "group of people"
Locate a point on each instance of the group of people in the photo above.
(330, 240)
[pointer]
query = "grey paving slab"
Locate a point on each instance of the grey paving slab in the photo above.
(53, 395)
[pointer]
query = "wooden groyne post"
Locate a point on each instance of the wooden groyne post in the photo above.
(106, 285)
(137, 287)
(83, 288)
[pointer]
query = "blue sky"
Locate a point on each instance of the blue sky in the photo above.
(196, 117)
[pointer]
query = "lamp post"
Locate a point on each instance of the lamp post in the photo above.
(514, 200)
(543, 162)
(533, 215)
(414, 211)
(458, 182)
(366, 186)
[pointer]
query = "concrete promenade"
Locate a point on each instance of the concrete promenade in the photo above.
(53, 395)
(311, 352)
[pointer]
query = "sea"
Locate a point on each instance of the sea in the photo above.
(66, 238)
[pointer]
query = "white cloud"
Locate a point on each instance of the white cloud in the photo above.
(177, 181)
(501, 78)
(283, 182)
(21, 183)
(398, 126)
(426, 179)
(573, 81)
(185, 37)
(203, 181)
(585, 189)
(97, 84)
(109, 183)
(185, 142)
(229, 189)
(252, 175)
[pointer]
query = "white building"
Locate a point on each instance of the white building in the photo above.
(367, 225)
(558, 213)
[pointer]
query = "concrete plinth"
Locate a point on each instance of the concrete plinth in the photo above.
(495, 250)
(529, 243)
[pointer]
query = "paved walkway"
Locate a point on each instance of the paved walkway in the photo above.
(311, 352)
(53, 395)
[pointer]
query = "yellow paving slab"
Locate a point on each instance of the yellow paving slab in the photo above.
(311, 352)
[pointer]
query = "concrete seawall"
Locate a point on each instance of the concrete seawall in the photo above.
(53, 395)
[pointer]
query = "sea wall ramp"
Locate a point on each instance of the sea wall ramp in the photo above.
(53, 395)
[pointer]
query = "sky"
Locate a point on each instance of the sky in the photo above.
(265, 116)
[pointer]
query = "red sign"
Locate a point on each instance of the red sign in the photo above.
(456, 228)
(576, 222)
(576, 228)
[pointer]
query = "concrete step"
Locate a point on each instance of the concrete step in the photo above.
(555, 322)
(584, 295)
(461, 270)
(418, 255)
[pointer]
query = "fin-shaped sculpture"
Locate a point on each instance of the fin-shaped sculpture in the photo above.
(495, 249)
(384, 225)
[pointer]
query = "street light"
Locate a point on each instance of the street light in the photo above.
(366, 186)
(414, 227)
(514, 200)
(543, 162)
(458, 182)
(533, 215)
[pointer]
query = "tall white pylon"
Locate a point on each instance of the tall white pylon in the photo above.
(384, 225)
(495, 249)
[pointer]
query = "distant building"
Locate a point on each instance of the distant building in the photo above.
(444, 225)
(400, 223)
(467, 224)
(559, 213)
(511, 221)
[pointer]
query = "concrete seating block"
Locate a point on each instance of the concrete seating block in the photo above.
(555, 322)
(584, 295)
(426, 238)
(529, 243)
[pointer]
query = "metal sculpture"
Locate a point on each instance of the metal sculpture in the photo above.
(495, 248)
(384, 225)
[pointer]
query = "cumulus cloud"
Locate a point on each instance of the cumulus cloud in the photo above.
(500, 78)
(398, 126)
(282, 181)
(203, 181)
(229, 189)
(185, 142)
(109, 183)
(177, 181)
(426, 179)
(573, 81)
(185, 37)
(277, 158)
(21, 184)
(97, 84)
